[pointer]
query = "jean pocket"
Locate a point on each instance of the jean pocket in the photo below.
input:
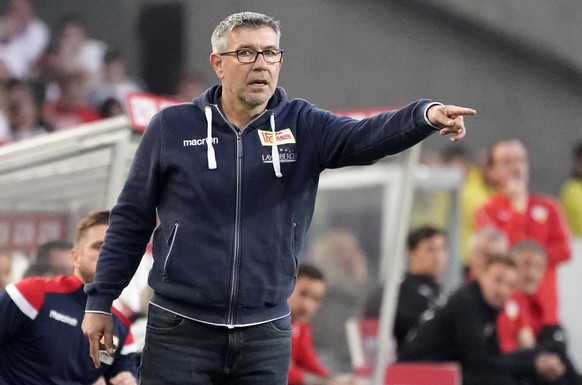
(281, 325)
(163, 320)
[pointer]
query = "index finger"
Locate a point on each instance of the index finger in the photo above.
(456, 111)
(94, 349)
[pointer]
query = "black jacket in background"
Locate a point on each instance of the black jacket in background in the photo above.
(417, 294)
(464, 331)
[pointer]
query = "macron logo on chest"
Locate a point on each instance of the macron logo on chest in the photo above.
(63, 318)
(197, 142)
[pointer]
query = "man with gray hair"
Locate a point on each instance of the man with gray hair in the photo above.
(486, 241)
(232, 178)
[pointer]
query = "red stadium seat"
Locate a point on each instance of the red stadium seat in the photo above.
(423, 373)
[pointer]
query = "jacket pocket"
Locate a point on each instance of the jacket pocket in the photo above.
(171, 241)
(294, 247)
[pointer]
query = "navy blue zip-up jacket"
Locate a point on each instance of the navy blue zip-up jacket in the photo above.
(230, 230)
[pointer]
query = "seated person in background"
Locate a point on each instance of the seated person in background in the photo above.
(305, 368)
(420, 290)
(40, 332)
(342, 259)
(464, 330)
(71, 108)
(486, 241)
(56, 253)
(522, 323)
(43, 269)
(571, 193)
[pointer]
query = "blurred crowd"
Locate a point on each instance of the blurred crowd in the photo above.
(501, 324)
(55, 78)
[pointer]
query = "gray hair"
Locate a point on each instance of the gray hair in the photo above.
(240, 20)
(529, 245)
(487, 235)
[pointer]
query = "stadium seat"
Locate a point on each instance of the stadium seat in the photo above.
(423, 373)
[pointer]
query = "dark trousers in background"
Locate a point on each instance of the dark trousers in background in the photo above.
(184, 352)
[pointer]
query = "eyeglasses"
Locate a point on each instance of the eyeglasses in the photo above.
(247, 56)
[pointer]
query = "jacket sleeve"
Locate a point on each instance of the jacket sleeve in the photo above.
(344, 141)
(305, 359)
(131, 223)
(14, 321)
(295, 376)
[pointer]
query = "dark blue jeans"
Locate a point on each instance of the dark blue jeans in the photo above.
(184, 352)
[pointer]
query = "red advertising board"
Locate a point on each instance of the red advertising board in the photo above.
(141, 107)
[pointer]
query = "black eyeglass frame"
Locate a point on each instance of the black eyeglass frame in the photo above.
(257, 53)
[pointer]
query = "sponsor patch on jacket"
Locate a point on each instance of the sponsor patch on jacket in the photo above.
(540, 214)
(72, 321)
(511, 309)
(283, 137)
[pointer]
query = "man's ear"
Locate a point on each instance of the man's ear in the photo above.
(74, 256)
(216, 62)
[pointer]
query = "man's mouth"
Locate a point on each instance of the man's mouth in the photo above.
(259, 82)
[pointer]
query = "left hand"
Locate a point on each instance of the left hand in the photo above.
(449, 119)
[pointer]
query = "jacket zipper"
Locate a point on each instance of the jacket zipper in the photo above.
(234, 272)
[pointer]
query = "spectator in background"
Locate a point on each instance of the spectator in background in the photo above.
(40, 332)
(71, 109)
(43, 269)
(25, 119)
(111, 107)
(56, 253)
(5, 267)
(523, 317)
(522, 324)
(305, 368)
(483, 242)
(189, 85)
(342, 260)
(113, 81)
(76, 51)
(522, 215)
(464, 331)
(23, 38)
(47, 73)
(420, 289)
(571, 192)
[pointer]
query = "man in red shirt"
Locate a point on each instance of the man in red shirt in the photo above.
(523, 215)
(522, 317)
(305, 368)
